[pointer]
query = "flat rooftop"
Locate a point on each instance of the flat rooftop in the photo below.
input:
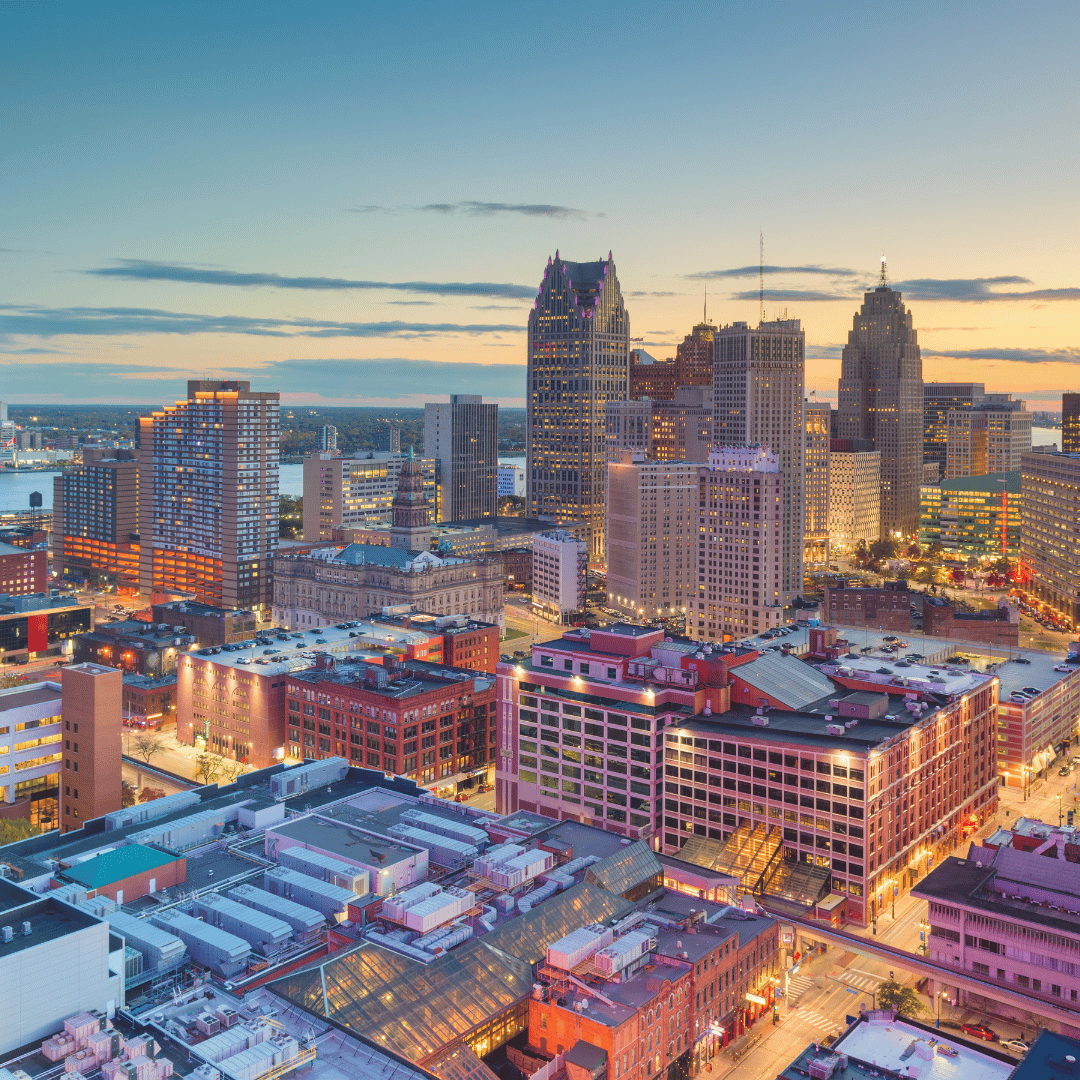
(288, 652)
(415, 677)
(339, 838)
(20, 697)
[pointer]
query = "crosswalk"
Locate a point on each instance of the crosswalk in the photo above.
(860, 981)
(797, 986)
(813, 1022)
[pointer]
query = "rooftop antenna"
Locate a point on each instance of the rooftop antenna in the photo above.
(883, 281)
(761, 278)
(705, 306)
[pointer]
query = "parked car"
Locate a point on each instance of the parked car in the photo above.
(1062, 667)
(461, 796)
(1022, 660)
(1016, 1046)
(1031, 690)
(1064, 770)
(979, 1031)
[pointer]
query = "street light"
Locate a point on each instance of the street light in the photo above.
(1058, 797)
(937, 1002)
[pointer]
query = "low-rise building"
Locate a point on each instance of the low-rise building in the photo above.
(560, 562)
(41, 624)
(511, 481)
(997, 627)
(149, 701)
(887, 608)
(133, 646)
(31, 728)
(209, 625)
(23, 570)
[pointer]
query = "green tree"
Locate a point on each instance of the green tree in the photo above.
(8, 681)
(16, 829)
(127, 794)
(901, 999)
(290, 517)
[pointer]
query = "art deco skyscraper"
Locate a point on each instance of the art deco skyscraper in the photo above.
(758, 377)
(881, 399)
(579, 357)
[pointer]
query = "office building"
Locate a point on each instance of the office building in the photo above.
(23, 570)
(208, 495)
(816, 471)
(578, 346)
(938, 399)
(651, 378)
(694, 356)
(511, 481)
(758, 401)
(355, 492)
(90, 708)
(986, 438)
(389, 437)
(972, 516)
(30, 735)
(209, 625)
(134, 646)
(431, 723)
(676, 430)
(328, 439)
(560, 561)
(7, 429)
(1070, 422)
(463, 439)
(652, 527)
(95, 523)
(659, 380)
(41, 624)
(740, 545)
(1050, 532)
(881, 399)
(854, 493)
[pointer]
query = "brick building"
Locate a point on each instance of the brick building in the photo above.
(999, 628)
(149, 699)
(133, 646)
(887, 608)
(209, 625)
(125, 873)
(23, 570)
(469, 644)
(91, 701)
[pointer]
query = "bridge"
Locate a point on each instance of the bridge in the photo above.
(1063, 1012)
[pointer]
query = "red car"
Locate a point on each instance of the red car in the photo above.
(979, 1031)
(462, 796)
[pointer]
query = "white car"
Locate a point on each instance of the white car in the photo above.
(1016, 1046)
(1062, 667)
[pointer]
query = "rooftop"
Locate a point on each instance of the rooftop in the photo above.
(990, 482)
(412, 678)
(288, 652)
(339, 838)
(116, 865)
(20, 605)
(1049, 1057)
(20, 697)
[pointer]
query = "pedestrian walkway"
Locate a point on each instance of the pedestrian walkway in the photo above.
(861, 981)
(797, 986)
(815, 1022)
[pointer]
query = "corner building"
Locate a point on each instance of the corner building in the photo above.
(208, 495)
(578, 359)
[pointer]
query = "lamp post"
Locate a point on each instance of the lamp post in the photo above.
(937, 1002)
(1058, 797)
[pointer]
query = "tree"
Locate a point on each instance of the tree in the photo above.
(8, 681)
(231, 769)
(149, 794)
(913, 551)
(901, 999)
(17, 829)
(148, 744)
(127, 794)
(208, 766)
(956, 577)
(290, 517)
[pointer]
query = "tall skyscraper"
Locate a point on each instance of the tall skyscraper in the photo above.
(1049, 526)
(938, 399)
(328, 439)
(758, 376)
(854, 493)
(881, 399)
(463, 437)
(816, 534)
(208, 494)
(1070, 423)
(578, 343)
(989, 437)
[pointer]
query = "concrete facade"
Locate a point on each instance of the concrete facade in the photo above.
(816, 524)
(854, 493)
(1050, 531)
(989, 437)
(463, 438)
(559, 564)
(31, 734)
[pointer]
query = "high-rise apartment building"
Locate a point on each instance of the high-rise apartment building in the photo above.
(676, 430)
(881, 399)
(854, 492)
(463, 438)
(740, 545)
(389, 437)
(816, 520)
(328, 439)
(7, 429)
(1050, 531)
(758, 378)
(354, 492)
(652, 523)
(559, 565)
(208, 487)
(95, 523)
(938, 399)
(987, 437)
(90, 709)
(578, 360)
(1070, 423)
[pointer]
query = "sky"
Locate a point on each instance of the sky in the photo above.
(354, 203)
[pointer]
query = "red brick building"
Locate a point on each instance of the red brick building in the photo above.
(887, 608)
(474, 646)
(22, 570)
(90, 708)
(654, 379)
(126, 873)
(997, 627)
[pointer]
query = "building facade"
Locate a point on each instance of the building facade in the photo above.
(881, 399)
(208, 495)
(463, 438)
(209, 625)
(887, 608)
(816, 472)
(134, 647)
(91, 706)
(676, 430)
(355, 492)
(990, 437)
(739, 587)
(23, 570)
(938, 399)
(973, 516)
(578, 360)
(41, 624)
(1070, 423)
(559, 568)
(854, 493)
(31, 734)
(1050, 531)
(511, 481)
(758, 377)
(651, 378)
(328, 439)
(96, 519)
(652, 523)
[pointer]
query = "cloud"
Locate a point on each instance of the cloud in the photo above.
(824, 352)
(652, 294)
(121, 322)
(1068, 355)
(754, 271)
(805, 295)
(979, 290)
(475, 208)
(148, 270)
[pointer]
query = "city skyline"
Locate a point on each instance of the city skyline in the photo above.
(357, 226)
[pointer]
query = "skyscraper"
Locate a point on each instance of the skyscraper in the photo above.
(881, 399)
(938, 399)
(208, 494)
(463, 437)
(328, 439)
(989, 437)
(758, 401)
(578, 344)
(1070, 423)
(816, 535)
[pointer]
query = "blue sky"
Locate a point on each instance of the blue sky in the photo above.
(333, 199)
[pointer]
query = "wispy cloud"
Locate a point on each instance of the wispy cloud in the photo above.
(979, 290)
(148, 270)
(1069, 355)
(805, 295)
(642, 293)
(754, 271)
(122, 322)
(476, 208)
(823, 352)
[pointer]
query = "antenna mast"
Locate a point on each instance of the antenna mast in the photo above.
(883, 281)
(761, 278)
